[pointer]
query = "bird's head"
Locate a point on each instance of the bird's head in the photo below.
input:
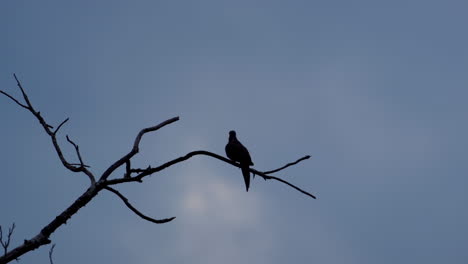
(232, 134)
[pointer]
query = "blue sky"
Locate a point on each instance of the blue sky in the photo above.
(375, 91)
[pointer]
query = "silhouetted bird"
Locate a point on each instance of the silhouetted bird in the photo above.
(237, 152)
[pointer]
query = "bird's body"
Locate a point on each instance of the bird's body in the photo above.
(237, 152)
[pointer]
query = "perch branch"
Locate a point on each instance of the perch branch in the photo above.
(145, 172)
(127, 203)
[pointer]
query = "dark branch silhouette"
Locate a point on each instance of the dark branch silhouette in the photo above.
(135, 148)
(82, 166)
(103, 182)
(61, 124)
(12, 98)
(6, 243)
(127, 203)
(287, 165)
(47, 128)
(51, 252)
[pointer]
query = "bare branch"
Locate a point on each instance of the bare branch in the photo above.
(125, 200)
(5, 244)
(287, 165)
(61, 124)
(51, 251)
(47, 128)
(136, 144)
(145, 172)
(135, 148)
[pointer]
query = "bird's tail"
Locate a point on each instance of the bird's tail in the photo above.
(246, 174)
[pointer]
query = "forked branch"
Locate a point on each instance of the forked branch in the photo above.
(83, 167)
(135, 149)
(6, 242)
(48, 129)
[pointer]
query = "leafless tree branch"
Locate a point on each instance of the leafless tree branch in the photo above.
(127, 203)
(269, 177)
(47, 129)
(61, 124)
(6, 243)
(148, 171)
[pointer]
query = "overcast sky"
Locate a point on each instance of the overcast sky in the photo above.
(375, 91)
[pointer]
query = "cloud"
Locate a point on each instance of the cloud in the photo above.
(220, 220)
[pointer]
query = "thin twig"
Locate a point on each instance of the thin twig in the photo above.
(128, 170)
(51, 251)
(267, 177)
(77, 149)
(61, 124)
(26, 99)
(287, 165)
(5, 244)
(125, 200)
(82, 166)
(14, 100)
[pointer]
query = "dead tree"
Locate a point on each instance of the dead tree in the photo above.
(104, 181)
